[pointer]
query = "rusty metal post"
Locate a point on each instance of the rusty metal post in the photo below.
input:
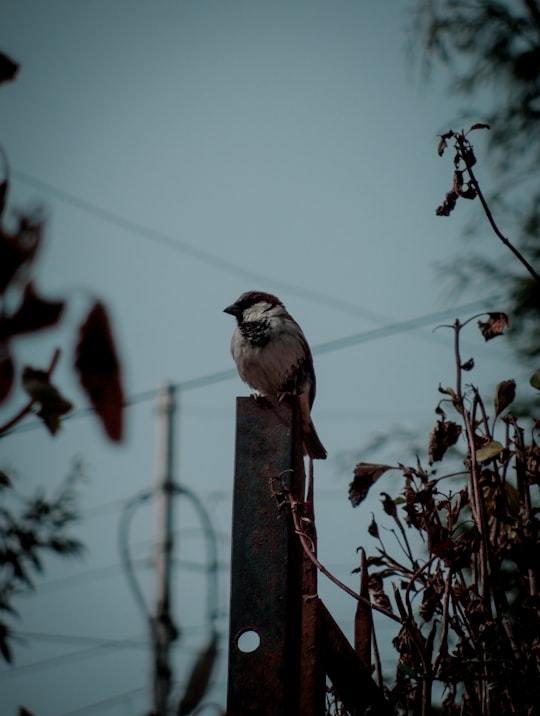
(267, 564)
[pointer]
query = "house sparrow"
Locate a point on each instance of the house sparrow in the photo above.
(273, 357)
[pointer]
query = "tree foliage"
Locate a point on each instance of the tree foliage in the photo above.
(492, 52)
(30, 528)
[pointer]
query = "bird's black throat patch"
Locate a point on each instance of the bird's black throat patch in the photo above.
(256, 332)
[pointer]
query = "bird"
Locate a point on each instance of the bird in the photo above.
(273, 357)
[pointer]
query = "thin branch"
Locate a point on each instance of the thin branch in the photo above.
(307, 545)
(26, 409)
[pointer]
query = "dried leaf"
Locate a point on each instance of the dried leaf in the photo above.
(97, 364)
(444, 434)
(469, 192)
(468, 365)
(448, 205)
(389, 504)
(469, 157)
(365, 475)
(489, 451)
(494, 326)
(479, 125)
(373, 528)
(33, 314)
(8, 68)
(52, 404)
(18, 248)
(441, 146)
(4, 480)
(505, 393)
(458, 181)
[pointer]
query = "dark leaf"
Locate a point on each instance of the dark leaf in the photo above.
(448, 205)
(489, 451)
(24, 712)
(7, 371)
(479, 125)
(52, 404)
(444, 434)
(4, 480)
(469, 192)
(505, 393)
(535, 380)
(200, 677)
(532, 463)
(365, 475)
(65, 545)
(389, 505)
(494, 326)
(458, 181)
(18, 248)
(373, 528)
(8, 68)
(441, 146)
(468, 365)
(468, 157)
(98, 367)
(33, 314)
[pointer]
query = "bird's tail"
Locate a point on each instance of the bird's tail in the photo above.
(312, 445)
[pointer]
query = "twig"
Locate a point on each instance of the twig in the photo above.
(465, 151)
(307, 546)
(26, 409)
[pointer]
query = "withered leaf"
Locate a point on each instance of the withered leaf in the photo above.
(532, 462)
(494, 326)
(469, 192)
(365, 475)
(444, 434)
(448, 205)
(479, 125)
(7, 371)
(505, 393)
(97, 364)
(373, 528)
(18, 248)
(442, 146)
(469, 157)
(33, 314)
(52, 404)
(389, 505)
(8, 68)
(458, 181)
(468, 365)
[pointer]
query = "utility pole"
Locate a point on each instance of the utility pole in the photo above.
(164, 630)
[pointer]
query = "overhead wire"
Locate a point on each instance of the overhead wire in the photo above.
(178, 244)
(319, 349)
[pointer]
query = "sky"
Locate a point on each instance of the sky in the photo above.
(185, 152)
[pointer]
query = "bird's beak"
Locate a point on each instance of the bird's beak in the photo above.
(232, 309)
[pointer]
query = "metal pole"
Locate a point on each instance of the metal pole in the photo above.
(164, 629)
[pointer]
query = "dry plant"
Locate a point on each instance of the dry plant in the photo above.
(469, 607)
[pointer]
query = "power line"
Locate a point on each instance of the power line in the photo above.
(320, 349)
(185, 247)
(109, 701)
